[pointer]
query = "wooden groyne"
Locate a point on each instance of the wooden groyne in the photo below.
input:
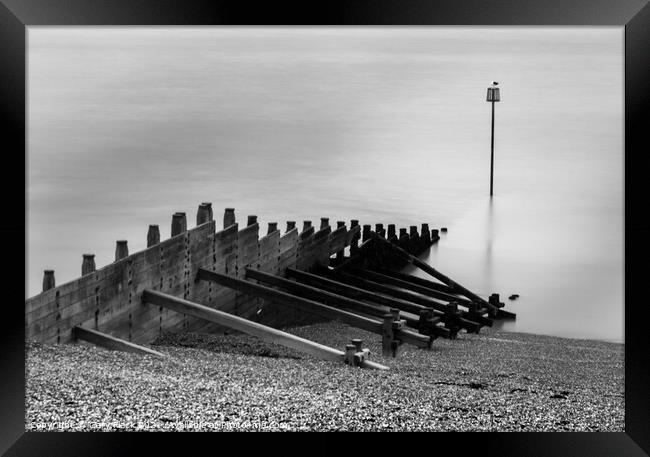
(256, 284)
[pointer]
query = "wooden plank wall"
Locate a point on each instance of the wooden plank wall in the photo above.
(108, 299)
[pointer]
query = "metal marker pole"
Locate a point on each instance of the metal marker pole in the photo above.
(492, 153)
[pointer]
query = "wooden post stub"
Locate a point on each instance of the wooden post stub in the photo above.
(228, 217)
(494, 301)
(121, 250)
(252, 220)
(387, 335)
(434, 235)
(324, 222)
(395, 313)
(306, 225)
(88, 264)
(357, 344)
(404, 240)
(291, 225)
(177, 223)
(415, 240)
(48, 280)
(273, 227)
(208, 205)
(153, 235)
(202, 214)
(183, 221)
(394, 347)
(340, 254)
(425, 315)
(425, 234)
(354, 242)
(349, 354)
(366, 232)
(391, 231)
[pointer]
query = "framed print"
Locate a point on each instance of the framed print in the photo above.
(410, 216)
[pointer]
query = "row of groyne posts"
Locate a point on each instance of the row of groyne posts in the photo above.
(348, 275)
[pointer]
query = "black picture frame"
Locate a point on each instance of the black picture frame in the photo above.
(634, 15)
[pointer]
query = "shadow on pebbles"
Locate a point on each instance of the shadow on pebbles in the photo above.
(494, 381)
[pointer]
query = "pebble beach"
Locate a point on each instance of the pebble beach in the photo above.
(493, 381)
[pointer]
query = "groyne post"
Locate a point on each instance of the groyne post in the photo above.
(324, 222)
(48, 280)
(252, 220)
(415, 239)
(290, 225)
(183, 222)
(390, 325)
(404, 240)
(273, 227)
(391, 231)
(306, 225)
(202, 214)
(354, 243)
(153, 235)
(208, 205)
(228, 217)
(121, 250)
(88, 264)
(426, 235)
(366, 232)
(379, 228)
(350, 351)
(340, 254)
(179, 223)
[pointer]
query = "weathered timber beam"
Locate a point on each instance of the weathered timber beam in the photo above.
(362, 294)
(412, 302)
(472, 322)
(421, 285)
(110, 342)
(313, 307)
(473, 314)
(332, 299)
(316, 294)
(268, 334)
(284, 298)
(436, 274)
(416, 280)
(385, 279)
(503, 314)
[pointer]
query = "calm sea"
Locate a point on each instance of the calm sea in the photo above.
(129, 125)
